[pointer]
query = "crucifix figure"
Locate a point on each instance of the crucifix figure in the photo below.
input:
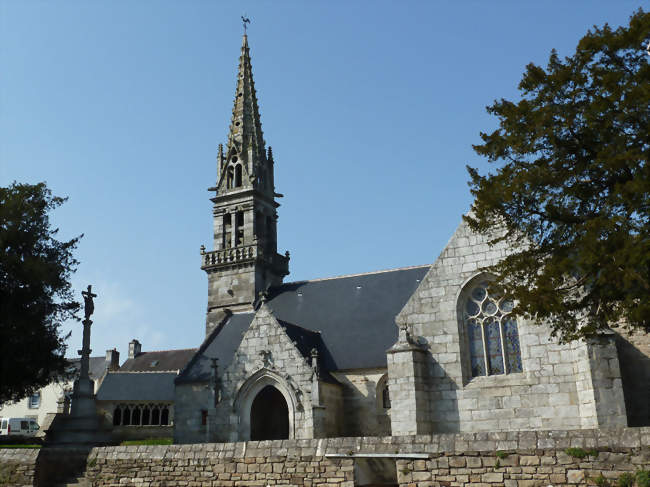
(89, 306)
(245, 20)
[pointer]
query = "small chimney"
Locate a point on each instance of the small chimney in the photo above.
(112, 359)
(134, 348)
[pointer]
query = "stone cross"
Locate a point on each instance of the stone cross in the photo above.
(89, 308)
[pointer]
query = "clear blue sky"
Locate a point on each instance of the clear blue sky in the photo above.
(371, 109)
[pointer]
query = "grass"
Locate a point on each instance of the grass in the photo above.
(148, 441)
(643, 478)
(580, 453)
(625, 480)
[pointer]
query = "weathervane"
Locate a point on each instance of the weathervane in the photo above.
(245, 20)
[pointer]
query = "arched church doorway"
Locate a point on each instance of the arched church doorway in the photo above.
(269, 415)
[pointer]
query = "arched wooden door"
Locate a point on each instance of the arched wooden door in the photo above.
(269, 415)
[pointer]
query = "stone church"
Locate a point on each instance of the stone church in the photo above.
(415, 350)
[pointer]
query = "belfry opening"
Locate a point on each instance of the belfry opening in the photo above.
(269, 416)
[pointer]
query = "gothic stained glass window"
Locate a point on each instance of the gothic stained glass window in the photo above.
(492, 333)
(476, 348)
(511, 338)
(493, 343)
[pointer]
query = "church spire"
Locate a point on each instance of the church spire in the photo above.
(245, 148)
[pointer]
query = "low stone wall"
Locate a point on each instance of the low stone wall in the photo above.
(18, 466)
(533, 468)
(512, 459)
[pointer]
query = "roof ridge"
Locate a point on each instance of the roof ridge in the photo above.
(170, 350)
(344, 276)
(170, 371)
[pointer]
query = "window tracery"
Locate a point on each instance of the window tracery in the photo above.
(492, 334)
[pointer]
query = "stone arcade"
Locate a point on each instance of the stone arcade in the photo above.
(416, 350)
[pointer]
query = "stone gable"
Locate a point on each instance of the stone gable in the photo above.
(554, 390)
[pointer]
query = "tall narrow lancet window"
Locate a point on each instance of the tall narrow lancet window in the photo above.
(259, 226)
(117, 416)
(237, 175)
(240, 228)
(230, 177)
(227, 231)
(135, 417)
(492, 335)
(164, 416)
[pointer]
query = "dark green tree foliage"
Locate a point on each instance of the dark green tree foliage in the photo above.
(572, 185)
(35, 295)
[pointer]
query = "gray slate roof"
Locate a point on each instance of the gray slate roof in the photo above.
(157, 361)
(134, 386)
(354, 315)
(96, 366)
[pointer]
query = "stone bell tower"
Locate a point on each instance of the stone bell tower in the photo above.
(245, 261)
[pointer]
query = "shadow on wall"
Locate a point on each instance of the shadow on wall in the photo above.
(59, 465)
(374, 472)
(444, 413)
(635, 373)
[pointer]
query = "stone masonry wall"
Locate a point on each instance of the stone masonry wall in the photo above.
(364, 414)
(544, 396)
(524, 459)
(18, 466)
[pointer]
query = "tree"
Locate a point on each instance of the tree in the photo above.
(571, 189)
(35, 294)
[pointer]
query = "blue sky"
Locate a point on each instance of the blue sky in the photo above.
(371, 109)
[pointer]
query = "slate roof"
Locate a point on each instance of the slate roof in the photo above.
(164, 360)
(137, 386)
(96, 366)
(350, 320)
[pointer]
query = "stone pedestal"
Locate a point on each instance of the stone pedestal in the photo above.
(82, 426)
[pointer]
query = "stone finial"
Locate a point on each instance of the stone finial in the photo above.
(216, 390)
(202, 249)
(286, 254)
(314, 361)
(404, 335)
